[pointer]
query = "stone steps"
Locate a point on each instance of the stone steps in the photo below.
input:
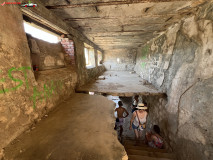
(140, 151)
(145, 148)
(138, 157)
(149, 153)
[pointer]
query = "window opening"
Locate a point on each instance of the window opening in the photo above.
(42, 34)
(89, 53)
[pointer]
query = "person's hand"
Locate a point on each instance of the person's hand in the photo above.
(130, 127)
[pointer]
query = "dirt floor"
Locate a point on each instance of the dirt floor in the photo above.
(79, 129)
(120, 83)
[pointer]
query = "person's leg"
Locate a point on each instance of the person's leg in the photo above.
(136, 134)
(137, 141)
(115, 128)
(140, 134)
(121, 130)
(146, 137)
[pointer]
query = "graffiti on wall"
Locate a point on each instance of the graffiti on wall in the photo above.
(144, 52)
(19, 81)
(48, 89)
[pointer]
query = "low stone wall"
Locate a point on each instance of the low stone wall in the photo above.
(95, 72)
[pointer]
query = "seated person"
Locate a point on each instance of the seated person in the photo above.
(154, 139)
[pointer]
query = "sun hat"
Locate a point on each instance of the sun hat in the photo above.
(141, 106)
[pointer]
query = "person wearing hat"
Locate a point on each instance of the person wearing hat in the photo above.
(138, 120)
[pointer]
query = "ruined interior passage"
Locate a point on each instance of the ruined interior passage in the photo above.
(73, 73)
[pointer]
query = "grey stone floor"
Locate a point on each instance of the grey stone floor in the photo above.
(120, 83)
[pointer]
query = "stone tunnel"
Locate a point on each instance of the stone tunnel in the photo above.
(65, 64)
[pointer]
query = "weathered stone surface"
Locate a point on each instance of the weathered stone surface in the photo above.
(120, 59)
(128, 24)
(119, 83)
(46, 55)
(180, 62)
(26, 96)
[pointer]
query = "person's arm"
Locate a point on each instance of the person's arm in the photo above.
(115, 109)
(126, 113)
(132, 119)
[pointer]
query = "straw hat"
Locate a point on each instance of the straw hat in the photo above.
(141, 106)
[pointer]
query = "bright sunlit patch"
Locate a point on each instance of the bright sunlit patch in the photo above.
(37, 33)
(91, 93)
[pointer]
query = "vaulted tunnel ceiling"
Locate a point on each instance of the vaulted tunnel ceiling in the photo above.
(124, 23)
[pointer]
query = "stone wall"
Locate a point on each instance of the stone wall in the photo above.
(120, 59)
(180, 63)
(46, 55)
(85, 74)
(94, 72)
(24, 99)
(49, 17)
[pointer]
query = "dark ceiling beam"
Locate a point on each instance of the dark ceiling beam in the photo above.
(108, 3)
(109, 18)
(88, 18)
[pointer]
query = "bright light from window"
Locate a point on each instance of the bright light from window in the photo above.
(37, 33)
(86, 53)
(118, 60)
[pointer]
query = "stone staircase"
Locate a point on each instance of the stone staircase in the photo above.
(143, 152)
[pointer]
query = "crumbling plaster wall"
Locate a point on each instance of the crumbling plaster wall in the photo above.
(23, 98)
(73, 34)
(180, 63)
(46, 55)
(86, 74)
(120, 59)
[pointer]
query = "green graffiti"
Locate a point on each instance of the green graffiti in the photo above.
(25, 74)
(145, 51)
(15, 80)
(143, 64)
(4, 91)
(35, 95)
(48, 91)
(2, 80)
